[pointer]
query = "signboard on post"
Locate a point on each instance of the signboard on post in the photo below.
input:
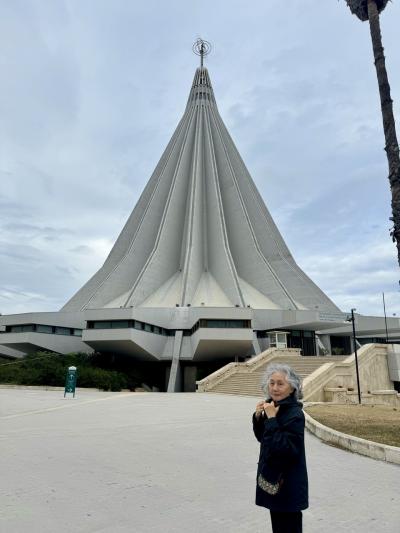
(70, 381)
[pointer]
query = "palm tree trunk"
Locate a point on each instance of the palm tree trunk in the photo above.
(389, 126)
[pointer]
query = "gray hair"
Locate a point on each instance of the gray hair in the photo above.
(291, 376)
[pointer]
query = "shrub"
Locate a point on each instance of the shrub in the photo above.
(50, 369)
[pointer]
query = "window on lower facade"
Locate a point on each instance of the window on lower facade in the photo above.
(217, 323)
(15, 329)
(120, 324)
(101, 325)
(62, 331)
(40, 328)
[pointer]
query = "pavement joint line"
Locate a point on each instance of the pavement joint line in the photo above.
(66, 406)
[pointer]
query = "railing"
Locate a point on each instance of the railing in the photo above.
(330, 378)
(342, 374)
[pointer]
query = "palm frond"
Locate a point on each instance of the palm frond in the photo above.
(360, 7)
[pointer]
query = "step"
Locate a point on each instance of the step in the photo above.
(248, 383)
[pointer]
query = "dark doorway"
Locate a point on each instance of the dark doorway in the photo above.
(304, 340)
(340, 345)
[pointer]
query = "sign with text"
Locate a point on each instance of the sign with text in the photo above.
(332, 317)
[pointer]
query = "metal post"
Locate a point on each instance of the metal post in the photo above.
(355, 354)
(384, 311)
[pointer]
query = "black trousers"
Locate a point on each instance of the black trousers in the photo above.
(286, 522)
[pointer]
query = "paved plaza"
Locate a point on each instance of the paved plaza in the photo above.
(160, 463)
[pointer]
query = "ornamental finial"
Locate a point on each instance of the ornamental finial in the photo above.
(201, 48)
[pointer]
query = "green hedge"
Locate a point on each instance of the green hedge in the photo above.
(50, 369)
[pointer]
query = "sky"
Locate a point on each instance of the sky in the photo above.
(92, 90)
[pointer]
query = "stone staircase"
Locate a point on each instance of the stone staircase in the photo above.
(245, 378)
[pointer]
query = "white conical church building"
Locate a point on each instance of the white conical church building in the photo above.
(200, 235)
(199, 273)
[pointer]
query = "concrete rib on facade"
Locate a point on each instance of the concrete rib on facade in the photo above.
(200, 234)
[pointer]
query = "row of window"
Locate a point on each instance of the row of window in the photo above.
(216, 323)
(212, 323)
(293, 333)
(151, 328)
(372, 340)
(123, 324)
(42, 328)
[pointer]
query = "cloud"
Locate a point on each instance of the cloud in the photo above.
(81, 249)
(91, 93)
(40, 90)
(20, 301)
(357, 278)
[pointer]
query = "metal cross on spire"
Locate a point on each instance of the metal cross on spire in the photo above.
(201, 48)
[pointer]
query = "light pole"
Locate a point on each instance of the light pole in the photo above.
(384, 312)
(352, 319)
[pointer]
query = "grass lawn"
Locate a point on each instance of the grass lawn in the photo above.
(379, 423)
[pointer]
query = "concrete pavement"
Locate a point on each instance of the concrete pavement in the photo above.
(152, 463)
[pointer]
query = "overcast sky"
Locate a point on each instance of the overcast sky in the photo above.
(92, 90)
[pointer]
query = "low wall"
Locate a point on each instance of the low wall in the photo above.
(375, 397)
(383, 452)
(394, 361)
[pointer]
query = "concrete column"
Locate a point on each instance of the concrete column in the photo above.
(256, 344)
(175, 382)
(263, 343)
(326, 342)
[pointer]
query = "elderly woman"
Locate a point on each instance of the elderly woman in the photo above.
(278, 424)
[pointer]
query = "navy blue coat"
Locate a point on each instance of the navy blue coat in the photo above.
(282, 450)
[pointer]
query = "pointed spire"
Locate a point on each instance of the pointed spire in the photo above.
(201, 91)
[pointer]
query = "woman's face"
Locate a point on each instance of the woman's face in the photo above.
(278, 386)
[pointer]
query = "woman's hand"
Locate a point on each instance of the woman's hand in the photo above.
(270, 409)
(259, 409)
